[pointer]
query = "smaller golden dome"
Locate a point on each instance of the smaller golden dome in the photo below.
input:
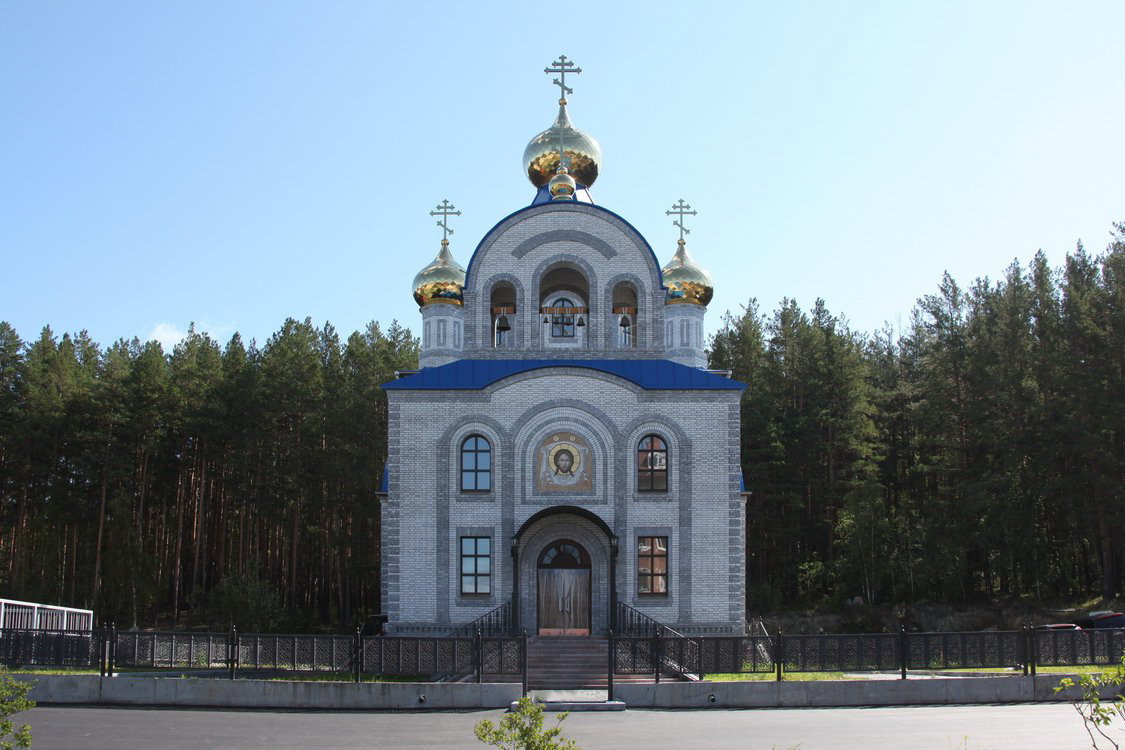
(562, 185)
(541, 157)
(685, 280)
(442, 281)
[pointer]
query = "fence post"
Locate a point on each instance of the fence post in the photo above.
(232, 652)
(103, 653)
(357, 647)
(110, 661)
(478, 646)
(902, 650)
(1025, 641)
(779, 655)
(1033, 652)
(523, 659)
(657, 656)
(612, 662)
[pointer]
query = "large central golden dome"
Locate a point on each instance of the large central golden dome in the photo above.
(541, 157)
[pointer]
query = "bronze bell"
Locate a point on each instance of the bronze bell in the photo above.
(624, 321)
(581, 322)
(502, 324)
(546, 319)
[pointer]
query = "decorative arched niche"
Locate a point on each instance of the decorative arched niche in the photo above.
(564, 294)
(624, 312)
(502, 306)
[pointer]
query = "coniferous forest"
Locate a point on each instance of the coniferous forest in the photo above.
(978, 452)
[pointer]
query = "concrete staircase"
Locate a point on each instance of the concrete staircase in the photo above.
(571, 663)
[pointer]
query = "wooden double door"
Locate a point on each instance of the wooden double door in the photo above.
(563, 577)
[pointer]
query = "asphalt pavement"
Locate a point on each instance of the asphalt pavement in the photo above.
(945, 727)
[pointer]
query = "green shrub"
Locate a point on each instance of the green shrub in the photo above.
(1101, 719)
(523, 730)
(13, 700)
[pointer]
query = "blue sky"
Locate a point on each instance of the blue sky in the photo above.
(233, 164)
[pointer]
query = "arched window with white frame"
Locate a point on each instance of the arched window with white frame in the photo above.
(652, 464)
(476, 464)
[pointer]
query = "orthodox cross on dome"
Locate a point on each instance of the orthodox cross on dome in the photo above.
(445, 209)
(562, 66)
(681, 209)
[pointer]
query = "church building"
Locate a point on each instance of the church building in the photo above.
(563, 455)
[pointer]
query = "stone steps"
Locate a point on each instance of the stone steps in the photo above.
(571, 663)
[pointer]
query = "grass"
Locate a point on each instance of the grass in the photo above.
(345, 677)
(788, 676)
(45, 670)
(1016, 670)
(290, 677)
(811, 676)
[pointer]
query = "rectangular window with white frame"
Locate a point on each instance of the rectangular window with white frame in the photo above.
(476, 565)
(652, 565)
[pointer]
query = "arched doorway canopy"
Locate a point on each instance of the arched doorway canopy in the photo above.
(559, 510)
(548, 573)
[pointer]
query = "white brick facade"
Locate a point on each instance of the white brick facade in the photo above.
(584, 253)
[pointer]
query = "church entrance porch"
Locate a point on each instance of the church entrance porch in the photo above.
(565, 563)
(563, 577)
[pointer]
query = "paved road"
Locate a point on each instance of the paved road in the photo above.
(944, 727)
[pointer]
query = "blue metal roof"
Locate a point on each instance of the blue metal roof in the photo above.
(650, 374)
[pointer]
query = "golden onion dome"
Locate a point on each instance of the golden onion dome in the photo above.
(541, 157)
(442, 281)
(685, 280)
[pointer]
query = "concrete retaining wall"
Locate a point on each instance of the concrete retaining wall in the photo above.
(374, 696)
(835, 693)
(159, 691)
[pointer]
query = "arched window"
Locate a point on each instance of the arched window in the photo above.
(562, 323)
(564, 554)
(652, 464)
(476, 464)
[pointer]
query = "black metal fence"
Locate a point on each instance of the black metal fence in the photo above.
(875, 652)
(1064, 648)
(171, 650)
(970, 650)
(82, 649)
(647, 649)
(298, 653)
(232, 653)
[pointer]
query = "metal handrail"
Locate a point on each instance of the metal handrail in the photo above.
(634, 623)
(758, 625)
(495, 622)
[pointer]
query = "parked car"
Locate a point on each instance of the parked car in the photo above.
(1058, 626)
(1103, 619)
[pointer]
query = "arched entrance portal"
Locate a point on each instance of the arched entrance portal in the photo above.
(594, 555)
(563, 575)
